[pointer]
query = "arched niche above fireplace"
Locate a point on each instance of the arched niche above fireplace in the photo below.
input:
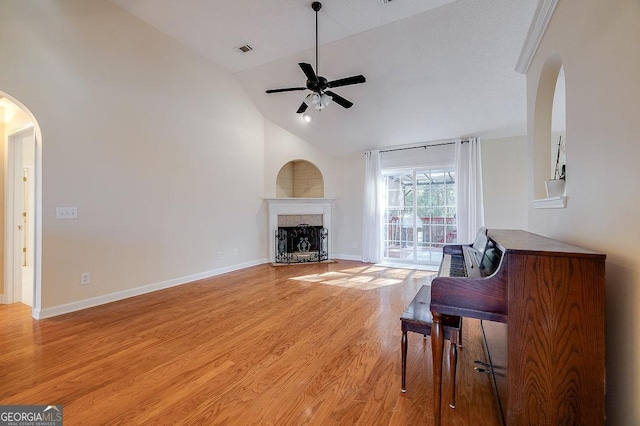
(299, 179)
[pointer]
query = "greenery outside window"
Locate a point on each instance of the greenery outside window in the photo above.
(419, 214)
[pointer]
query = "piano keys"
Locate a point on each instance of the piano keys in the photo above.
(548, 297)
(464, 260)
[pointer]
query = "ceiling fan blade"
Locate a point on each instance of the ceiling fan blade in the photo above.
(303, 108)
(307, 69)
(356, 79)
(288, 89)
(339, 99)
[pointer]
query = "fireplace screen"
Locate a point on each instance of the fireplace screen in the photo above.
(302, 243)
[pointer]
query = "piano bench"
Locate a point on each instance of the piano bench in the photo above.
(418, 319)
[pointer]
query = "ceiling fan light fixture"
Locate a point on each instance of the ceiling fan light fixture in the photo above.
(323, 101)
(319, 100)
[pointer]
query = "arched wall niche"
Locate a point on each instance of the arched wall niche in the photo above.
(558, 125)
(549, 123)
(299, 179)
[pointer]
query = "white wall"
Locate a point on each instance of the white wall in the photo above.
(161, 151)
(350, 208)
(505, 182)
(597, 43)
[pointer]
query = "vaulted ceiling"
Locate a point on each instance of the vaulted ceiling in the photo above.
(435, 69)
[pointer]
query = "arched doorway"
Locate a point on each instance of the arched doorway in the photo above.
(21, 210)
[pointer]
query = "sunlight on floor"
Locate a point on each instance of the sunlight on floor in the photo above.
(365, 278)
(418, 266)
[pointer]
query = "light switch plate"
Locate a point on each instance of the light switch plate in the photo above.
(66, 212)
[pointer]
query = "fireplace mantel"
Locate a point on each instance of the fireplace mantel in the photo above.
(298, 206)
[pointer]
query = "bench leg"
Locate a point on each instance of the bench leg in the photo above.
(437, 344)
(404, 361)
(453, 364)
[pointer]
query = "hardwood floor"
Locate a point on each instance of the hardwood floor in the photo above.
(307, 344)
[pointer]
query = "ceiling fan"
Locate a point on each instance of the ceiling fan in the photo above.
(320, 96)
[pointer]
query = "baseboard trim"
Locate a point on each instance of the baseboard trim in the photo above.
(125, 294)
(347, 257)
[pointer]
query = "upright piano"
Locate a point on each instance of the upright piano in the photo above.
(541, 306)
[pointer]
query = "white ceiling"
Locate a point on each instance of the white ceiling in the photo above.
(435, 69)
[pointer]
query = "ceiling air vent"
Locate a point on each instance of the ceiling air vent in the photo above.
(245, 48)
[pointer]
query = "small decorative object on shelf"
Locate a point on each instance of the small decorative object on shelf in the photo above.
(556, 186)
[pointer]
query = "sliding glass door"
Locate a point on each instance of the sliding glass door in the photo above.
(420, 214)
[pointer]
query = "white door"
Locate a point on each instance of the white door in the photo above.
(20, 215)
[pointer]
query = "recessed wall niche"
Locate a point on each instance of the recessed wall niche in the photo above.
(549, 123)
(558, 126)
(299, 179)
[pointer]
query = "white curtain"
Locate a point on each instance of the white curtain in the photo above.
(372, 221)
(469, 202)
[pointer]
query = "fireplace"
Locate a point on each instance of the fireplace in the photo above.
(293, 212)
(301, 243)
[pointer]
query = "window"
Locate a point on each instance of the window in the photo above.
(419, 214)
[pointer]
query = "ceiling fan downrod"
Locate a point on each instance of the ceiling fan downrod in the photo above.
(316, 6)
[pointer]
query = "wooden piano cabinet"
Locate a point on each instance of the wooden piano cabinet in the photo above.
(555, 340)
(495, 343)
(553, 357)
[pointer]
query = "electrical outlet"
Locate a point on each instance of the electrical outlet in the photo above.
(355, 244)
(235, 252)
(219, 255)
(85, 278)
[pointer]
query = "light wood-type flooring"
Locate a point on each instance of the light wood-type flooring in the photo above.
(315, 344)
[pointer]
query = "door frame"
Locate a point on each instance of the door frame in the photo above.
(10, 258)
(412, 171)
(37, 207)
(12, 263)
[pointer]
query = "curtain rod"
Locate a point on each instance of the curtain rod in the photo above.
(423, 146)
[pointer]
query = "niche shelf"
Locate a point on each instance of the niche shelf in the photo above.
(550, 203)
